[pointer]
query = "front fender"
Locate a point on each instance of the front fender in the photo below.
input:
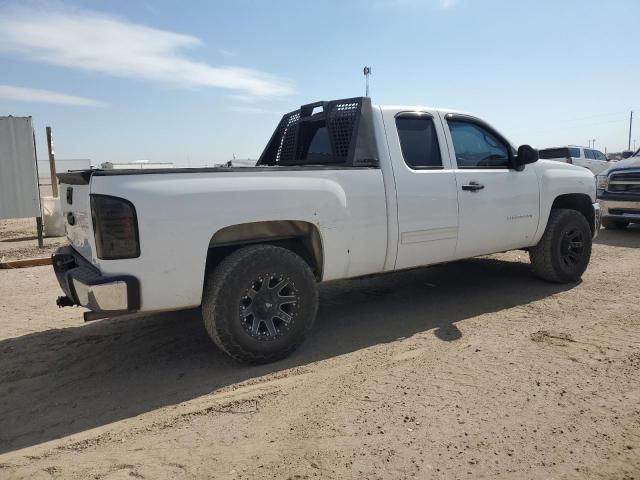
(556, 179)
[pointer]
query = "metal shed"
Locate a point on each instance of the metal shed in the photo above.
(19, 192)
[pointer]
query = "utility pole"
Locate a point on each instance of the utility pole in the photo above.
(367, 72)
(594, 143)
(52, 163)
(630, 123)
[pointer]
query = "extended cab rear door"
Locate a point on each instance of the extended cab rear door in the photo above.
(427, 203)
(499, 206)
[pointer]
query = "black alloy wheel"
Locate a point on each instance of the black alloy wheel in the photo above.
(572, 246)
(268, 307)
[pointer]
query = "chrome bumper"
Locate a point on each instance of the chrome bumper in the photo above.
(86, 286)
(102, 297)
(621, 210)
(597, 218)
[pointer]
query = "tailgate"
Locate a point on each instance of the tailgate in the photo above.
(76, 210)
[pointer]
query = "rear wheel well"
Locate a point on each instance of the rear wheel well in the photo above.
(302, 238)
(577, 201)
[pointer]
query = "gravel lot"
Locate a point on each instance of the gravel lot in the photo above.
(468, 370)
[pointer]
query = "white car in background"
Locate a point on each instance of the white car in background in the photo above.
(594, 160)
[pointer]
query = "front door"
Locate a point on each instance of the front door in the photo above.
(499, 206)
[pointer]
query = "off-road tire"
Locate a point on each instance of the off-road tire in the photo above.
(549, 259)
(611, 224)
(224, 294)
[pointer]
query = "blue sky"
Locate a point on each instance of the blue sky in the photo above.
(196, 82)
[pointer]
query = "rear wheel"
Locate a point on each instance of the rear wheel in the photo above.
(611, 224)
(563, 253)
(259, 303)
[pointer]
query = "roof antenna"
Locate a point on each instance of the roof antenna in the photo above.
(367, 72)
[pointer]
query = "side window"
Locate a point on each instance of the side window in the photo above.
(600, 156)
(419, 142)
(476, 147)
(574, 152)
(589, 154)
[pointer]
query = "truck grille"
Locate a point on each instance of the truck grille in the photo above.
(627, 182)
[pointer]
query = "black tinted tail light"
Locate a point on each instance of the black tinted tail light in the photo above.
(115, 227)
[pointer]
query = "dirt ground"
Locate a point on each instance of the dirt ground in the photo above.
(468, 370)
(19, 237)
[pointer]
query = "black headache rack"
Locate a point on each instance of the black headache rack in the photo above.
(334, 133)
(322, 135)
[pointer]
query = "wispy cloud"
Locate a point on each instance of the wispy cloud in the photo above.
(447, 3)
(226, 53)
(34, 95)
(246, 109)
(109, 45)
(443, 4)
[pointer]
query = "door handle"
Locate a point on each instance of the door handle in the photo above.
(472, 187)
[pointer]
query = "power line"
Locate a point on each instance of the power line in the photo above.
(549, 126)
(579, 119)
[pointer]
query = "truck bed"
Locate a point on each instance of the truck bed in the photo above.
(83, 177)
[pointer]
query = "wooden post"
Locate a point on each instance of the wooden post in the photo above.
(40, 233)
(52, 164)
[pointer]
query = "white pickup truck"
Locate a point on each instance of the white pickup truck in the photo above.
(343, 189)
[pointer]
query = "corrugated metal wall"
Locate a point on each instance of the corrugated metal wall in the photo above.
(19, 195)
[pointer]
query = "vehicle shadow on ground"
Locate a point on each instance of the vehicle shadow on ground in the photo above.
(628, 237)
(63, 381)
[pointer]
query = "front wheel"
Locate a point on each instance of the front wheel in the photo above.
(259, 303)
(563, 253)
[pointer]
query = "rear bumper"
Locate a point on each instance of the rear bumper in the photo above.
(86, 286)
(622, 208)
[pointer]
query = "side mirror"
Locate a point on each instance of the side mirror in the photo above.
(526, 154)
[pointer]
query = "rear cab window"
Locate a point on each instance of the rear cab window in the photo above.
(419, 141)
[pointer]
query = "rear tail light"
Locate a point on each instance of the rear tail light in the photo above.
(115, 227)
